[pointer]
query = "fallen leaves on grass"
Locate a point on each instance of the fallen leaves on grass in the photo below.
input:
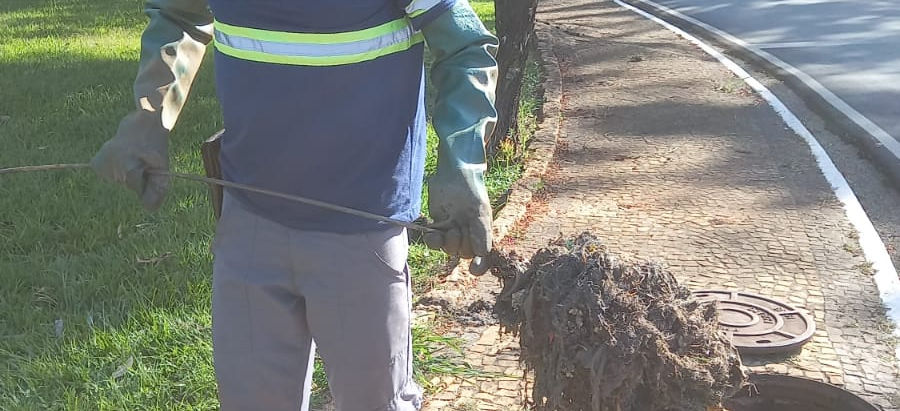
(42, 296)
(58, 326)
(123, 368)
(155, 260)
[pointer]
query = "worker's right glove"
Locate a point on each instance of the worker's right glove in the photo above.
(464, 74)
(459, 205)
(139, 148)
(172, 48)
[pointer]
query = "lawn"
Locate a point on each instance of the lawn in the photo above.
(105, 306)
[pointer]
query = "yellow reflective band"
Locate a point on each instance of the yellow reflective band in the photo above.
(317, 60)
(312, 38)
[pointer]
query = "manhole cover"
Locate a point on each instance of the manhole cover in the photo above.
(760, 325)
(768, 392)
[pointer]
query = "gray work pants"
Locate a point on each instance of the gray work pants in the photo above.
(276, 290)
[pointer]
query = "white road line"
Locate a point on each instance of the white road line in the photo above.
(873, 248)
(883, 138)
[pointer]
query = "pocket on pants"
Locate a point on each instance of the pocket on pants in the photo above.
(390, 247)
(225, 225)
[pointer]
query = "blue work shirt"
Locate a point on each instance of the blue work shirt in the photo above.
(349, 134)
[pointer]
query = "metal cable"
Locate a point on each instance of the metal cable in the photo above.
(245, 187)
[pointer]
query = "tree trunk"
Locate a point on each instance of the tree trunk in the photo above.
(515, 27)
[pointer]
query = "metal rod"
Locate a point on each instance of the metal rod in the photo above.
(299, 199)
(43, 168)
(239, 186)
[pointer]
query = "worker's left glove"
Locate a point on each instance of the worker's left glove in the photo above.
(136, 156)
(172, 48)
(458, 202)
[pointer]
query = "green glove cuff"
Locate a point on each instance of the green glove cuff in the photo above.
(464, 75)
(172, 48)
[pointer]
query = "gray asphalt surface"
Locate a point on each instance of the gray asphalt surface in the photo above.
(852, 47)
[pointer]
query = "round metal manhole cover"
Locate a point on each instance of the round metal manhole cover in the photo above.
(769, 392)
(760, 325)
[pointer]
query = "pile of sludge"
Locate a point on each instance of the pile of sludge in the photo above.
(606, 335)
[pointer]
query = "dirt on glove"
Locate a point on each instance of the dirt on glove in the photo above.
(608, 335)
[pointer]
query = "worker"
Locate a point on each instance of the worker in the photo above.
(322, 99)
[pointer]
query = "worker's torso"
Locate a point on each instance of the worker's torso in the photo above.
(337, 118)
(307, 16)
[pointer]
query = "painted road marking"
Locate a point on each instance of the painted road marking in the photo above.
(873, 248)
(883, 138)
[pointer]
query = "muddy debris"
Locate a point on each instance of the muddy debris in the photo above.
(608, 335)
(479, 313)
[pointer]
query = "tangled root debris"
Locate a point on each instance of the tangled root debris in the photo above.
(606, 335)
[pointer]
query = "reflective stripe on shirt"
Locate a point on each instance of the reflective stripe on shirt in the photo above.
(315, 49)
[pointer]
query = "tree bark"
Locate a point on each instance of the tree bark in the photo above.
(515, 27)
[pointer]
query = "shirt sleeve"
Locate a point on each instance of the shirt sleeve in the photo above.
(422, 12)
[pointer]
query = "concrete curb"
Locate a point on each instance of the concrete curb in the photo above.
(873, 248)
(542, 146)
(836, 119)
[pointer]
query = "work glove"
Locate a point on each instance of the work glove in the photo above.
(139, 149)
(464, 75)
(172, 48)
(459, 205)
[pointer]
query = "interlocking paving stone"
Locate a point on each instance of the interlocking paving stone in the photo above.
(669, 157)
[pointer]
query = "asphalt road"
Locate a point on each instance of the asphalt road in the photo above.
(878, 195)
(851, 47)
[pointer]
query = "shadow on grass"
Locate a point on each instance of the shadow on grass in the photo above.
(33, 19)
(104, 306)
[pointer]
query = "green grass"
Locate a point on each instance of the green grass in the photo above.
(85, 324)
(506, 166)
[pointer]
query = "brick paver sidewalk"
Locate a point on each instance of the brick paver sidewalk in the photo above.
(667, 156)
